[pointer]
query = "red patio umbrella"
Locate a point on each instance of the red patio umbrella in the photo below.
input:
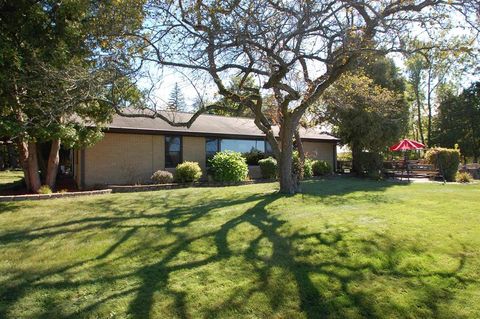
(406, 145)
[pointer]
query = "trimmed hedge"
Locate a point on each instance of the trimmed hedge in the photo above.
(268, 168)
(321, 168)
(162, 177)
(187, 172)
(446, 160)
(229, 167)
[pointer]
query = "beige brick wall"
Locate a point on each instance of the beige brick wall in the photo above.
(319, 151)
(194, 150)
(132, 158)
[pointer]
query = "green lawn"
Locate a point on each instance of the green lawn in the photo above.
(8, 178)
(347, 248)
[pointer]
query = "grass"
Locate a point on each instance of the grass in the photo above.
(10, 178)
(347, 248)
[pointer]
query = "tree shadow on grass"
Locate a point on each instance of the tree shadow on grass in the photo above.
(328, 278)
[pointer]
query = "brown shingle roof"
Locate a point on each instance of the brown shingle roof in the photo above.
(205, 124)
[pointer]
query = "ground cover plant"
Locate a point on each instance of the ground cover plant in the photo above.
(345, 248)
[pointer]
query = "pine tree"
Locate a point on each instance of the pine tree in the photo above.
(176, 101)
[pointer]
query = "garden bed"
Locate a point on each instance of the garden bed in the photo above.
(154, 187)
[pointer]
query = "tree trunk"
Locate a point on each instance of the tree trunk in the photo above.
(429, 106)
(356, 167)
(52, 165)
(288, 184)
(34, 176)
(23, 161)
(419, 114)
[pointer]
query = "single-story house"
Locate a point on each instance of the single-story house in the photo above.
(133, 148)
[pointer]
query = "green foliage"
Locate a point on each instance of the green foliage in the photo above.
(321, 168)
(308, 168)
(162, 177)
(176, 101)
(364, 114)
(458, 121)
(446, 160)
(463, 177)
(370, 164)
(254, 156)
(344, 156)
(229, 167)
(296, 164)
(187, 172)
(268, 168)
(307, 165)
(45, 189)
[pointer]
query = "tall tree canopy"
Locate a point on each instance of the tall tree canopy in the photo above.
(458, 121)
(430, 67)
(293, 49)
(366, 107)
(50, 84)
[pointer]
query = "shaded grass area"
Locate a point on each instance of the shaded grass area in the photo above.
(10, 179)
(346, 248)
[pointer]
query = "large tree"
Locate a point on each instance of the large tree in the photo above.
(49, 85)
(428, 68)
(458, 121)
(366, 107)
(293, 49)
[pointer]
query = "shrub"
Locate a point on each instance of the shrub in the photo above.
(463, 177)
(162, 177)
(321, 168)
(45, 189)
(307, 165)
(229, 167)
(446, 160)
(187, 172)
(369, 164)
(268, 168)
(308, 168)
(253, 157)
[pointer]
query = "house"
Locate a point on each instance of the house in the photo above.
(134, 148)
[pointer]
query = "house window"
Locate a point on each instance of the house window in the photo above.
(242, 146)
(212, 146)
(173, 151)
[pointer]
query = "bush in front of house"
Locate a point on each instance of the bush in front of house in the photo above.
(187, 172)
(229, 167)
(268, 168)
(308, 168)
(321, 168)
(162, 177)
(253, 157)
(446, 160)
(307, 165)
(463, 177)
